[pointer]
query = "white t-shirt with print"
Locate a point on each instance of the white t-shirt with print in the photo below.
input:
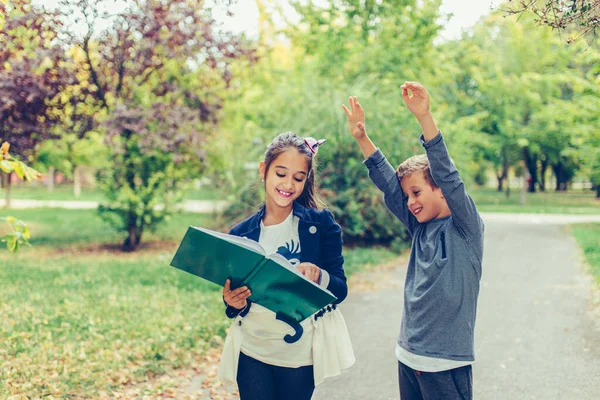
(263, 334)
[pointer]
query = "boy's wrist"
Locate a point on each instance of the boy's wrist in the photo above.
(423, 117)
(428, 126)
(366, 146)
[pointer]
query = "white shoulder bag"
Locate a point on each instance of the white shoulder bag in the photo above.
(231, 352)
(332, 348)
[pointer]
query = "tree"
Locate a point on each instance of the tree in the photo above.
(77, 141)
(337, 49)
(31, 76)
(339, 37)
(19, 232)
(595, 177)
(529, 93)
(159, 73)
(578, 18)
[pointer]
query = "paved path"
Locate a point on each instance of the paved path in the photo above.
(537, 335)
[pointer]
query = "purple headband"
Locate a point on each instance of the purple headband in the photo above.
(313, 144)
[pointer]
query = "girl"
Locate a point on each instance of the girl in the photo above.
(290, 223)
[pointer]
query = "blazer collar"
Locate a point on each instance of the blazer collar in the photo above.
(298, 209)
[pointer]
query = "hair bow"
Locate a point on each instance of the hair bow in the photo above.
(313, 144)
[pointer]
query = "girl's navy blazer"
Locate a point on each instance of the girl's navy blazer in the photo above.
(320, 243)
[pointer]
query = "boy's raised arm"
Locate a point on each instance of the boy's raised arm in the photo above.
(442, 168)
(381, 173)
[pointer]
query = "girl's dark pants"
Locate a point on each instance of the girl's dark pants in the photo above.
(259, 381)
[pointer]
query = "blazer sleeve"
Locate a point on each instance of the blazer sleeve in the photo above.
(333, 260)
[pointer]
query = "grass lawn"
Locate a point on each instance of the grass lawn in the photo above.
(588, 237)
(79, 319)
(573, 202)
(60, 192)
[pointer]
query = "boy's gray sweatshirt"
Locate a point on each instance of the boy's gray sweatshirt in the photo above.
(442, 281)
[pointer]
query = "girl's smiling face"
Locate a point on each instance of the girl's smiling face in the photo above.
(285, 179)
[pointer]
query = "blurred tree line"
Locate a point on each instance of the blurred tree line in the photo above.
(165, 95)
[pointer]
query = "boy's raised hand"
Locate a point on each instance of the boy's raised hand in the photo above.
(356, 118)
(418, 103)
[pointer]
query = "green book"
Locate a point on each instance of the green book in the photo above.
(275, 283)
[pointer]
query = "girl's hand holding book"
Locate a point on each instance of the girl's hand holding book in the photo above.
(236, 298)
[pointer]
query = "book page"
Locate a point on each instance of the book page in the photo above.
(241, 241)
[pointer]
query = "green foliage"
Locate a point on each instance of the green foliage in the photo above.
(69, 151)
(351, 39)
(152, 155)
(530, 94)
(312, 107)
(342, 49)
(154, 81)
(588, 237)
(19, 232)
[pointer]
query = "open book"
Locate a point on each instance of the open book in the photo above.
(275, 283)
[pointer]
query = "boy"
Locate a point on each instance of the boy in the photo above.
(435, 347)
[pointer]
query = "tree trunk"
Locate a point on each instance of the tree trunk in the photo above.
(134, 235)
(531, 165)
(504, 174)
(51, 172)
(561, 182)
(598, 192)
(500, 183)
(77, 182)
(556, 168)
(543, 175)
(7, 186)
(134, 238)
(524, 187)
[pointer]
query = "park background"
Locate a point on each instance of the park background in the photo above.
(136, 112)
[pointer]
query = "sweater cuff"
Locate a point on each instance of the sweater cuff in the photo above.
(374, 159)
(437, 139)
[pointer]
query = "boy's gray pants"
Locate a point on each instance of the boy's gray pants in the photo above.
(454, 384)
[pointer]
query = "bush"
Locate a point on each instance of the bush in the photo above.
(342, 178)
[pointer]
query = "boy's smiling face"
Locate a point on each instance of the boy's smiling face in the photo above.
(424, 202)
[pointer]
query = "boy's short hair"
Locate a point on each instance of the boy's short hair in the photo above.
(415, 164)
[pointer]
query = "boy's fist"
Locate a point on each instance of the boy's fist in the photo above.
(418, 103)
(356, 118)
